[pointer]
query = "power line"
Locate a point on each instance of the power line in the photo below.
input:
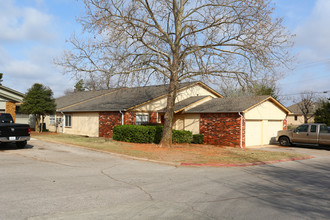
(302, 93)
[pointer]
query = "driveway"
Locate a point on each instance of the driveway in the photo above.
(53, 181)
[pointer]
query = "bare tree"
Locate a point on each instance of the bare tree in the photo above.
(138, 41)
(307, 105)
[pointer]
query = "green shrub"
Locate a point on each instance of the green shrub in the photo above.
(198, 138)
(179, 136)
(147, 134)
(137, 134)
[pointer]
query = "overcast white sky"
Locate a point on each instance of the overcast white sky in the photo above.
(33, 32)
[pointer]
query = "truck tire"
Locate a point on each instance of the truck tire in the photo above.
(21, 144)
(284, 141)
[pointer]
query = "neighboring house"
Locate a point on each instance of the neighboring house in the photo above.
(296, 116)
(242, 121)
(10, 100)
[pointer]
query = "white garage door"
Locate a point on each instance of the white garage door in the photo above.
(273, 128)
(253, 133)
(261, 132)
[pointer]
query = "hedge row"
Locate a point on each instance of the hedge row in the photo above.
(148, 134)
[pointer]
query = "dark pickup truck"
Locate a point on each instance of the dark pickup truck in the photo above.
(13, 133)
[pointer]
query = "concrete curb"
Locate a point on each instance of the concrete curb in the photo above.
(245, 164)
(180, 164)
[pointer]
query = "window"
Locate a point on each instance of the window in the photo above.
(52, 119)
(302, 128)
(313, 128)
(58, 120)
(67, 120)
(324, 129)
(296, 118)
(142, 118)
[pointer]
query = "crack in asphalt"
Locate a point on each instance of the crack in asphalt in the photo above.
(198, 211)
(128, 183)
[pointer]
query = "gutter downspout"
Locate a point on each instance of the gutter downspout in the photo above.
(157, 117)
(241, 135)
(122, 117)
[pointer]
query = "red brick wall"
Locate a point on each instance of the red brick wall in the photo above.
(11, 108)
(130, 118)
(285, 124)
(153, 117)
(221, 129)
(107, 121)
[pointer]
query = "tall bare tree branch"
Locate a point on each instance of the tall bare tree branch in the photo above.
(132, 41)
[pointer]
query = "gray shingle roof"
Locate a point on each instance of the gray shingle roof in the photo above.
(186, 102)
(235, 104)
(295, 109)
(77, 97)
(113, 99)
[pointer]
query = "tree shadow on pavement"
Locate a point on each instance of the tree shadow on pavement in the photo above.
(302, 189)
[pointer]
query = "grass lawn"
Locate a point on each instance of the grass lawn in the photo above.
(184, 153)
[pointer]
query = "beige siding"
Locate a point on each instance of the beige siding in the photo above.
(52, 127)
(188, 122)
(178, 122)
(84, 124)
(196, 90)
(192, 123)
(300, 120)
(265, 111)
(3, 105)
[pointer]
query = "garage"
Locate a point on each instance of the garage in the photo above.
(240, 121)
(263, 121)
(262, 132)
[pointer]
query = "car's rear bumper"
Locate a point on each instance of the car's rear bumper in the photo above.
(14, 139)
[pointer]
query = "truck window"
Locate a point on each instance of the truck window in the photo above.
(302, 128)
(6, 118)
(324, 129)
(313, 128)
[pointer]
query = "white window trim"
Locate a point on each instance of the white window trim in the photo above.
(141, 114)
(52, 119)
(67, 121)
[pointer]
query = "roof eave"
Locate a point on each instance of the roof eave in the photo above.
(272, 100)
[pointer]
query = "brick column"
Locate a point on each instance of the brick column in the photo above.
(11, 109)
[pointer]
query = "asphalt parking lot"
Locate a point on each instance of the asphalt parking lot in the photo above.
(53, 181)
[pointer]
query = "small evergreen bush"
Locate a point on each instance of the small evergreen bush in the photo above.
(180, 136)
(198, 138)
(137, 134)
(147, 134)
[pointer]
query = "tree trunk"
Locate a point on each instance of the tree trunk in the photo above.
(166, 140)
(305, 118)
(42, 124)
(37, 123)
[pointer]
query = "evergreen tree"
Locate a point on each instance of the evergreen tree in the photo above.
(39, 102)
(322, 114)
(79, 87)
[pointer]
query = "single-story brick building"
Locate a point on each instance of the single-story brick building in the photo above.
(223, 121)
